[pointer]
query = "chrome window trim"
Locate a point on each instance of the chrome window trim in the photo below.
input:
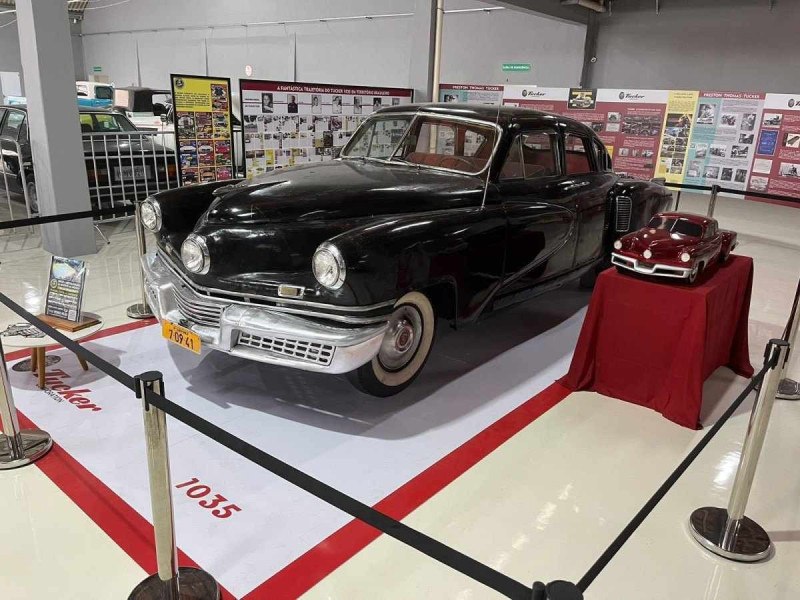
(444, 117)
(210, 293)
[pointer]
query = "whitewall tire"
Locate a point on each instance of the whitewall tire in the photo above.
(404, 350)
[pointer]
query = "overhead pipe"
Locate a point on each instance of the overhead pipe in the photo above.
(590, 4)
(437, 50)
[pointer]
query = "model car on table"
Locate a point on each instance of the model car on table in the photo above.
(441, 211)
(674, 245)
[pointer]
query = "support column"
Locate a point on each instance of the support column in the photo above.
(423, 36)
(590, 49)
(54, 127)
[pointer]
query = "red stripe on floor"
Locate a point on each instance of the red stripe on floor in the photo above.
(100, 334)
(312, 567)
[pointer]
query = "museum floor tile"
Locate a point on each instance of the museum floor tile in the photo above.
(541, 506)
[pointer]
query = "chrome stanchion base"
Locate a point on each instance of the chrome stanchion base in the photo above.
(139, 311)
(750, 544)
(788, 389)
(35, 444)
(195, 584)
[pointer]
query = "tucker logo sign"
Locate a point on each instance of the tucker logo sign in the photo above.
(533, 93)
(59, 390)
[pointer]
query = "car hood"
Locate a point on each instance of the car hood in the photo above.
(343, 190)
(659, 241)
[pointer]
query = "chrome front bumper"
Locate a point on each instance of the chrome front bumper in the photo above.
(657, 270)
(258, 332)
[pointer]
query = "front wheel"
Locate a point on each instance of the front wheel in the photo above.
(404, 351)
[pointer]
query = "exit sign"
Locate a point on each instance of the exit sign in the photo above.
(516, 66)
(97, 69)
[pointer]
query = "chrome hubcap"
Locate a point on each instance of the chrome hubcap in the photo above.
(402, 339)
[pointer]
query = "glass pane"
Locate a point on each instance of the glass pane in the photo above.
(452, 145)
(12, 124)
(577, 156)
(538, 154)
(512, 169)
(377, 138)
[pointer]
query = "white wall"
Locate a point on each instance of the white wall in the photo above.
(700, 44)
(374, 52)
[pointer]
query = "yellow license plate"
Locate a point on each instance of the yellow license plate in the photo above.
(181, 336)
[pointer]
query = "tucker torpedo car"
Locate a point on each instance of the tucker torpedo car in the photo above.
(674, 245)
(440, 211)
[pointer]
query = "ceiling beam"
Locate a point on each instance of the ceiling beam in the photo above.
(548, 8)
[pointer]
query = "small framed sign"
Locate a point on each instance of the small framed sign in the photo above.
(65, 289)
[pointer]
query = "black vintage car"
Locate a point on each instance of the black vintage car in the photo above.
(122, 163)
(431, 211)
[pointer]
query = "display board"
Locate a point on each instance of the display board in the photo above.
(471, 93)
(776, 164)
(66, 283)
(287, 123)
(723, 139)
(203, 128)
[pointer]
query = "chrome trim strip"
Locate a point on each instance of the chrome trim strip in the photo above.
(351, 320)
(633, 264)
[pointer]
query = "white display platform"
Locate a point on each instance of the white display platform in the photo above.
(364, 446)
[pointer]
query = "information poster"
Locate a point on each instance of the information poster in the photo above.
(203, 128)
(65, 288)
(287, 123)
(629, 122)
(681, 106)
(472, 94)
(776, 165)
(723, 140)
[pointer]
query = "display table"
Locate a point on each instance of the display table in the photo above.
(25, 335)
(655, 343)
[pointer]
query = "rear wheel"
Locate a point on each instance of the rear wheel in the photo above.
(404, 351)
(33, 200)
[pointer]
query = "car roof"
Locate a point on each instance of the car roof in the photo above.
(697, 219)
(134, 88)
(504, 115)
(81, 109)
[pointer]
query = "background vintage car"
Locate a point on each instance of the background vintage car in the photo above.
(345, 266)
(119, 164)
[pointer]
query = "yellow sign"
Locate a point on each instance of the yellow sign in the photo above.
(181, 336)
(675, 135)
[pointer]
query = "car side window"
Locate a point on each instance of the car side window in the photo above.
(577, 154)
(13, 124)
(603, 158)
(532, 154)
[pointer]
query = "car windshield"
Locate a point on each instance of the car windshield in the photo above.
(105, 123)
(677, 225)
(426, 141)
(104, 93)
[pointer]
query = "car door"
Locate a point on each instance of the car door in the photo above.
(540, 210)
(589, 182)
(12, 123)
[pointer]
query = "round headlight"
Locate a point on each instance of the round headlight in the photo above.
(328, 266)
(194, 254)
(685, 257)
(150, 214)
(618, 245)
(647, 254)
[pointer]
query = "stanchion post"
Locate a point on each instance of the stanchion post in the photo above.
(17, 447)
(170, 582)
(729, 533)
(712, 203)
(556, 590)
(677, 201)
(140, 310)
(788, 388)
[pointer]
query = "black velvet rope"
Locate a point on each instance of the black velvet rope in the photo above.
(124, 211)
(638, 519)
(470, 567)
(722, 190)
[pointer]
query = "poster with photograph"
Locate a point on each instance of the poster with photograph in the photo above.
(723, 141)
(471, 93)
(676, 132)
(65, 288)
(203, 128)
(776, 163)
(286, 123)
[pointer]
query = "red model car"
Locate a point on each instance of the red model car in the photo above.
(677, 245)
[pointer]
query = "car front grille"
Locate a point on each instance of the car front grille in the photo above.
(313, 352)
(201, 313)
(623, 217)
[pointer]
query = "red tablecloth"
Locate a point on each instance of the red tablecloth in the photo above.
(654, 343)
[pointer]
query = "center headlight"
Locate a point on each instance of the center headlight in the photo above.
(328, 266)
(647, 254)
(685, 257)
(618, 245)
(150, 214)
(194, 254)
